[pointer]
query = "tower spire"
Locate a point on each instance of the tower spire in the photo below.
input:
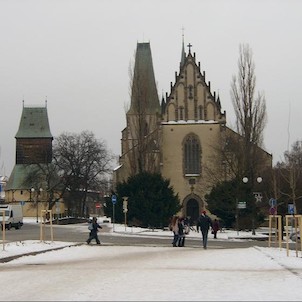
(183, 54)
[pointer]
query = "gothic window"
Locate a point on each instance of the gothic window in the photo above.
(200, 112)
(190, 92)
(192, 155)
(181, 113)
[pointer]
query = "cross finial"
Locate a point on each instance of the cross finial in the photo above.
(189, 45)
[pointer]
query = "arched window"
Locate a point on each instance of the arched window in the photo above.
(181, 113)
(200, 112)
(192, 155)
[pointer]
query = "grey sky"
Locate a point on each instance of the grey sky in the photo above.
(77, 53)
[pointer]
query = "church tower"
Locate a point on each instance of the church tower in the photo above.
(140, 138)
(33, 139)
(33, 146)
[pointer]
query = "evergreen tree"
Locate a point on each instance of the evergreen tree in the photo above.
(151, 200)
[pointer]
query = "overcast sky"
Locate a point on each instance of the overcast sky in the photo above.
(76, 54)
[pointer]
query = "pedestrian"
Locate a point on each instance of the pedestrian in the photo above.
(94, 231)
(215, 227)
(204, 222)
(181, 232)
(175, 230)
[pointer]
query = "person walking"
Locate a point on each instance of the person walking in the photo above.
(204, 223)
(215, 227)
(174, 228)
(94, 231)
(181, 232)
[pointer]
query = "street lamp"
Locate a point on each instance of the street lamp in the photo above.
(32, 190)
(257, 197)
(37, 202)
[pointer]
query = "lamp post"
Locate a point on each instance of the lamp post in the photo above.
(37, 201)
(257, 197)
(31, 191)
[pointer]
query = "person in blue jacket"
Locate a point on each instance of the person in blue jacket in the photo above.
(94, 231)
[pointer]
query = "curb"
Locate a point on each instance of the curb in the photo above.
(10, 258)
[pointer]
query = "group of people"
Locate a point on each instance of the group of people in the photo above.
(180, 227)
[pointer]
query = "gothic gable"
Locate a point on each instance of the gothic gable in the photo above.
(191, 97)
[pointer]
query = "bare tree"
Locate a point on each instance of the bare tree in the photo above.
(291, 173)
(250, 111)
(83, 163)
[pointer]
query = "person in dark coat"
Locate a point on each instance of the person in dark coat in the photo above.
(215, 227)
(181, 232)
(94, 232)
(204, 223)
(174, 228)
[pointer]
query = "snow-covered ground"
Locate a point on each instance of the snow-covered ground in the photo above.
(143, 273)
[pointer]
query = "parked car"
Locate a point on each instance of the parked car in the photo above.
(294, 236)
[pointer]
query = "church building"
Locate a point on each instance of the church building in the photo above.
(179, 137)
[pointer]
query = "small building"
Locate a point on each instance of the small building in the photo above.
(33, 150)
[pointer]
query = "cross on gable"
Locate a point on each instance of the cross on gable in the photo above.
(189, 45)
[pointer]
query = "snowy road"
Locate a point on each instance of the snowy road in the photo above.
(110, 273)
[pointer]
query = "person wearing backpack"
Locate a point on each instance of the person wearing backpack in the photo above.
(94, 228)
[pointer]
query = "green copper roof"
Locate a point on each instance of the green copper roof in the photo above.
(17, 179)
(34, 123)
(144, 91)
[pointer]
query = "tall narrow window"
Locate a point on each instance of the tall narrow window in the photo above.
(200, 112)
(190, 92)
(181, 113)
(192, 155)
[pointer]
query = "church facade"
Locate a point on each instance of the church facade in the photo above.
(179, 137)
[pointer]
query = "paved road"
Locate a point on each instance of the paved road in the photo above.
(78, 233)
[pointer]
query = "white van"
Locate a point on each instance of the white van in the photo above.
(13, 216)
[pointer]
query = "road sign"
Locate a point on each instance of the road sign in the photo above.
(125, 203)
(241, 205)
(113, 199)
(97, 205)
(273, 211)
(291, 209)
(272, 202)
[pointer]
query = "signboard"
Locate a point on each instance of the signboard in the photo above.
(241, 205)
(291, 209)
(113, 199)
(125, 204)
(97, 205)
(273, 211)
(272, 202)
(258, 196)
(22, 203)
